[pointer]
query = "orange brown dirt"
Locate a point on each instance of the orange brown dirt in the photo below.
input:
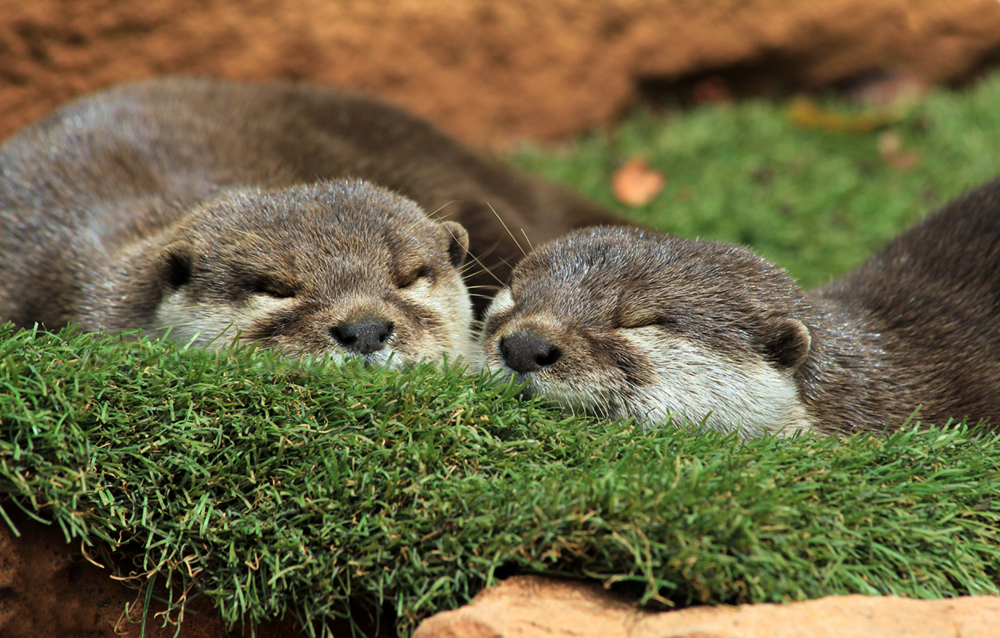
(535, 607)
(489, 71)
(50, 589)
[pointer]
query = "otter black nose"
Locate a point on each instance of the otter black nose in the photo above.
(528, 353)
(363, 336)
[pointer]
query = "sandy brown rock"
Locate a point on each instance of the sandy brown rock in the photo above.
(535, 607)
(489, 71)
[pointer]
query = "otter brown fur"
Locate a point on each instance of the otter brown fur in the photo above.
(339, 268)
(625, 322)
(105, 201)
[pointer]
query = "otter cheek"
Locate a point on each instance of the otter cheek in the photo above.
(439, 319)
(503, 303)
(500, 311)
(747, 396)
(459, 340)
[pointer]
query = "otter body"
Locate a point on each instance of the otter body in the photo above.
(624, 322)
(197, 204)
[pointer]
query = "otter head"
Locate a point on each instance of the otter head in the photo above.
(344, 268)
(621, 322)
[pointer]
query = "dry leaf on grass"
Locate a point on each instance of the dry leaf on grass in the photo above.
(897, 87)
(635, 183)
(890, 149)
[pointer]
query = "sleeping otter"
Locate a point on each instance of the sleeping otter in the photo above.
(625, 322)
(340, 268)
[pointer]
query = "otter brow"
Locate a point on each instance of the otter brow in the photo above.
(495, 321)
(268, 285)
(423, 272)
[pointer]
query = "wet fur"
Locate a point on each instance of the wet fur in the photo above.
(650, 325)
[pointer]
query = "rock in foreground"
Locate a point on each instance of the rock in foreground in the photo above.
(535, 607)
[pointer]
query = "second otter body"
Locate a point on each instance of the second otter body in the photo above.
(624, 322)
(200, 204)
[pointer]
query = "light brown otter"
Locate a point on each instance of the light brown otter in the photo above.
(625, 322)
(200, 204)
(342, 268)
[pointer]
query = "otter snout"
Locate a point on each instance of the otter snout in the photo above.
(528, 352)
(364, 337)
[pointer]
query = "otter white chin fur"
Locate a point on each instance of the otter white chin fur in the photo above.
(624, 322)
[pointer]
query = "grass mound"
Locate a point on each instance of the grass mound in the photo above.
(287, 486)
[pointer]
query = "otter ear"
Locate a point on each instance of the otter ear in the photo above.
(173, 265)
(459, 246)
(786, 342)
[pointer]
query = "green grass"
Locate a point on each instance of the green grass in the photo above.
(299, 487)
(813, 201)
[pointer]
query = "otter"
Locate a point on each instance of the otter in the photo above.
(195, 205)
(624, 322)
(344, 268)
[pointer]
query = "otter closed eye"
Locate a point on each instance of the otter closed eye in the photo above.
(622, 322)
(270, 288)
(423, 274)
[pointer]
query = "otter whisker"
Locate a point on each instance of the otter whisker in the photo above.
(508, 230)
(527, 240)
(467, 272)
(434, 214)
(485, 286)
(486, 269)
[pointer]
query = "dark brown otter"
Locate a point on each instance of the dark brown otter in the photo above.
(92, 197)
(626, 322)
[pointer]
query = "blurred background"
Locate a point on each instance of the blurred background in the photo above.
(811, 130)
(491, 72)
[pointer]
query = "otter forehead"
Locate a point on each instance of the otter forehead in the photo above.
(342, 233)
(347, 214)
(622, 276)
